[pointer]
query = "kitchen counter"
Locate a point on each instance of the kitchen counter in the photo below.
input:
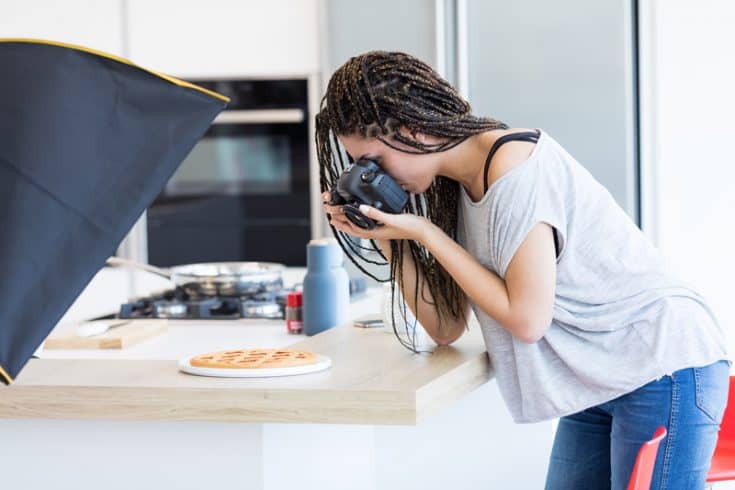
(380, 417)
(373, 380)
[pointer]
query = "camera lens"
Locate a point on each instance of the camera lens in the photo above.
(357, 218)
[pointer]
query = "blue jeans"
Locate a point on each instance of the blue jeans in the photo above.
(596, 448)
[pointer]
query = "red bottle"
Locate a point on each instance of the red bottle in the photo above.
(294, 311)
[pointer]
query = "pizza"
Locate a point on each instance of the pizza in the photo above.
(254, 359)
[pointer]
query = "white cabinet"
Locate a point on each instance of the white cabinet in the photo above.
(89, 23)
(219, 38)
(224, 38)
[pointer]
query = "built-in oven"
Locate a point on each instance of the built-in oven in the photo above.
(242, 193)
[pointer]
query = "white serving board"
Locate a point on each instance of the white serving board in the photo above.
(322, 363)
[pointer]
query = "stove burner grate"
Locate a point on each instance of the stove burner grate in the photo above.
(177, 304)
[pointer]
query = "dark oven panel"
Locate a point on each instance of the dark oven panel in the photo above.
(242, 193)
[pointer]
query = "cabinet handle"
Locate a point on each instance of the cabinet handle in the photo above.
(260, 116)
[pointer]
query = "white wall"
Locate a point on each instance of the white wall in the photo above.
(688, 131)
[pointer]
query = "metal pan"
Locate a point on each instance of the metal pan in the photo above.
(216, 278)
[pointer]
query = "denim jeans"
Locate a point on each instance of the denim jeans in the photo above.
(596, 448)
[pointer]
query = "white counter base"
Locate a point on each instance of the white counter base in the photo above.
(472, 444)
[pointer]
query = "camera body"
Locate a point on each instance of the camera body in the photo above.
(364, 182)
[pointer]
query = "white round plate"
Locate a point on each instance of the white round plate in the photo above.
(323, 362)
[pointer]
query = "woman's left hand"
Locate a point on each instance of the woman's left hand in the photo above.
(394, 226)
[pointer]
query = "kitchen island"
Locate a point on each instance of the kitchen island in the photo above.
(373, 380)
(380, 417)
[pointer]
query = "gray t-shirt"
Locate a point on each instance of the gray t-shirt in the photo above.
(621, 318)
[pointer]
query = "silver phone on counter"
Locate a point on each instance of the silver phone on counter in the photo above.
(368, 322)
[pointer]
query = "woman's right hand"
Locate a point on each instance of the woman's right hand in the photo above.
(335, 215)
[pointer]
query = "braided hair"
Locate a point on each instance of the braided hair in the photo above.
(374, 95)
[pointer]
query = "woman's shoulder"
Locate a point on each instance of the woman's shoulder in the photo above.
(508, 155)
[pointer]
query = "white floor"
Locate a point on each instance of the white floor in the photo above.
(725, 485)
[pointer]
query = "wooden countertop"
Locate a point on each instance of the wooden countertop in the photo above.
(373, 380)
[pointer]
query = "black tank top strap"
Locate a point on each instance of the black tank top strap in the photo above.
(530, 136)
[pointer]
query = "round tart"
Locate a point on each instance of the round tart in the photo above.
(254, 359)
(246, 363)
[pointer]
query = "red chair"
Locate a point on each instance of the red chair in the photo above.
(640, 479)
(723, 459)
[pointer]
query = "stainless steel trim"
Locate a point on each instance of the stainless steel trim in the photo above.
(260, 116)
(647, 76)
(440, 37)
(630, 111)
(318, 218)
(317, 88)
(463, 66)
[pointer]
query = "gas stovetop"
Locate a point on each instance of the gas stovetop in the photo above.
(177, 304)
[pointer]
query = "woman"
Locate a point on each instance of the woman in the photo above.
(582, 318)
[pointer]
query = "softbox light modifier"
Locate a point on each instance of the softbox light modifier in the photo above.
(87, 141)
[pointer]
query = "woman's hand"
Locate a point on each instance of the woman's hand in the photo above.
(392, 226)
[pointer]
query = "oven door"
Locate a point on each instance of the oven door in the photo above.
(241, 194)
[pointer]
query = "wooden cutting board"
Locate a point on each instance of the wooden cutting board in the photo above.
(115, 338)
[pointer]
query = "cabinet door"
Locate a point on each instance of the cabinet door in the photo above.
(224, 38)
(89, 23)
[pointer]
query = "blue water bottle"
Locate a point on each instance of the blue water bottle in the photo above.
(326, 287)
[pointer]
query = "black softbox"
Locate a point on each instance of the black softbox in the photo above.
(87, 141)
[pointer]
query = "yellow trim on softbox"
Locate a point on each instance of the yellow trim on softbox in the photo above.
(5, 375)
(176, 81)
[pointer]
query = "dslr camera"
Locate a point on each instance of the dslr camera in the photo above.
(364, 182)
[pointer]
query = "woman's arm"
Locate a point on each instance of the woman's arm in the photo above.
(523, 302)
(425, 312)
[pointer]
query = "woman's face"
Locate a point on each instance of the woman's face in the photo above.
(414, 172)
